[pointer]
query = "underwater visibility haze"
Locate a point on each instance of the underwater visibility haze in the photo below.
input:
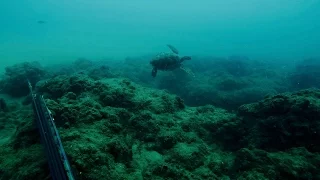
(266, 29)
(171, 89)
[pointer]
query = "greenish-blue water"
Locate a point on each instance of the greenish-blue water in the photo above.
(275, 29)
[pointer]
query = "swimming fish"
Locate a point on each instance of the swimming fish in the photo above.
(41, 22)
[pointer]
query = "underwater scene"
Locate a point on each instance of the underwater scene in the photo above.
(160, 90)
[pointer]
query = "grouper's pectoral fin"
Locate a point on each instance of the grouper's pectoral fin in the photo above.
(154, 72)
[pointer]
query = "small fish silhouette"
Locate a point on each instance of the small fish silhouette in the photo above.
(41, 22)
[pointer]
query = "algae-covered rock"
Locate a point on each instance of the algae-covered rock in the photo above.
(112, 128)
(284, 121)
(296, 163)
(15, 81)
(306, 74)
(3, 105)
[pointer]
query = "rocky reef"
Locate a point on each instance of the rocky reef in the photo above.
(113, 128)
(306, 74)
(15, 78)
(225, 82)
